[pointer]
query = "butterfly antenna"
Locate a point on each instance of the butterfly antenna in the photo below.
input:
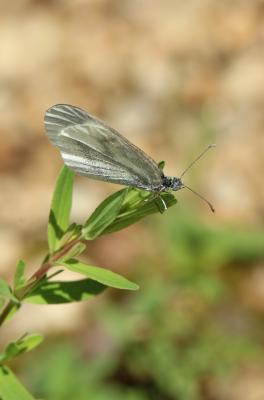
(197, 158)
(201, 197)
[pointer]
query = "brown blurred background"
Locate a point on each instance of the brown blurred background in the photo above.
(172, 77)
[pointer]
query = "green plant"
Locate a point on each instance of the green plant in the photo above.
(66, 242)
(181, 337)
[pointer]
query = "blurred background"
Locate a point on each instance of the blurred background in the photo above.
(172, 77)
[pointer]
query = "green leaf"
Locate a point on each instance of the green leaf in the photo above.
(137, 205)
(65, 292)
(104, 215)
(19, 279)
(60, 208)
(5, 290)
(10, 387)
(124, 208)
(100, 275)
(73, 231)
(22, 345)
(161, 165)
(77, 249)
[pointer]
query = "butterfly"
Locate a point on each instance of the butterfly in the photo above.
(92, 148)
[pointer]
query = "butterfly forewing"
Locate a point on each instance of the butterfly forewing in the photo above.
(91, 148)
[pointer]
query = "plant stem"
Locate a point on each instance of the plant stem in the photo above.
(37, 276)
(41, 272)
(4, 314)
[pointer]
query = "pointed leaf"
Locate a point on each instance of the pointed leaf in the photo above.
(104, 215)
(60, 208)
(22, 345)
(19, 279)
(161, 165)
(65, 292)
(5, 290)
(101, 275)
(10, 387)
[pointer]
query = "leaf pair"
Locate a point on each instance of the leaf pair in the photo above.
(56, 292)
(22, 345)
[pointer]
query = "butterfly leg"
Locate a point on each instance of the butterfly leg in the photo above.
(163, 202)
(159, 201)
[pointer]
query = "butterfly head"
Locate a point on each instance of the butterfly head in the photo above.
(172, 183)
(176, 184)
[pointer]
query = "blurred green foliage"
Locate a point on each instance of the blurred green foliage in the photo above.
(182, 331)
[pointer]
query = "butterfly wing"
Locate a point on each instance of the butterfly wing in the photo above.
(91, 148)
